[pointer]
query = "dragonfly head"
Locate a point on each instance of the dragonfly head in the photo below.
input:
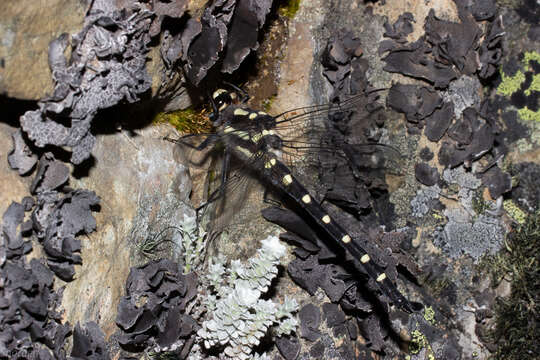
(222, 98)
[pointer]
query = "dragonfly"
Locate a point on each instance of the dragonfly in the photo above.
(255, 140)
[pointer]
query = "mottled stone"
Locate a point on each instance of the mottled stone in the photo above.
(26, 28)
(143, 190)
(12, 186)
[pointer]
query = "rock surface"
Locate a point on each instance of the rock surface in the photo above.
(143, 190)
(26, 29)
(448, 222)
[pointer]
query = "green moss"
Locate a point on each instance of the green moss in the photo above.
(429, 315)
(479, 205)
(514, 211)
(516, 317)
(289, 8)
(438, 286)
(267, 104)
(186, 121)
(162, 355)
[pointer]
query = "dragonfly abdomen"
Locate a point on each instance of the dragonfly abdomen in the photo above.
(281, 177)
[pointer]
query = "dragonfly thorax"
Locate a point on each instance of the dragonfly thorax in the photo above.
(248, 132)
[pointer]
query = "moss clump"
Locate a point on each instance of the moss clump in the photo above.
(517, 323)
(267, 104)
(186, 121)
(479, 205)
(289, 8)
(438, 286)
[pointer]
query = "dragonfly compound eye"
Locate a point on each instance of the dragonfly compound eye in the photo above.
(222, 99)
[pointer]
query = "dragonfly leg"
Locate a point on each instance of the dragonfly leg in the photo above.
(244, 95)
(210, 140)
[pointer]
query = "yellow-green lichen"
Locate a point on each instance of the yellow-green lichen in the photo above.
(186, 121)
(531, 55)
(514, 211)
(529, 115)
(510, 84)
(418, 342)
(429, 315)
(535, 85)
(289, 8)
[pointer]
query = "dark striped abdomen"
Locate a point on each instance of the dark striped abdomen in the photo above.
(281, 177)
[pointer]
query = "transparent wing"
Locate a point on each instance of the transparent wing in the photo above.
(313, 140)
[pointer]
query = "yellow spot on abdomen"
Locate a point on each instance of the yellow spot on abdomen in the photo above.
(306, 199)
(364, 259)
(287, 179)
(326, 219)
(346, 239)
(381, 277)
(270, 163)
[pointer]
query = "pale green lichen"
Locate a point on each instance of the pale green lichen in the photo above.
(238, 317)
(529, 115)
(531, 55)
(535, 85)
(429, 315)
(418, 342)
(510, 84)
